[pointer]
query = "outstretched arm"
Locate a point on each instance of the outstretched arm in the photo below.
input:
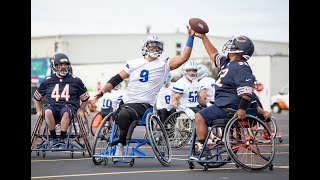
(211, 50)
(177, 61)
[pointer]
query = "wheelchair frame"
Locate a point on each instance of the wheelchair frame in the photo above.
(40, 138)
(107, 134)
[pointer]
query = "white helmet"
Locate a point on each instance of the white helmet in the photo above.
(152, 41)
(190, 64)
(202, 71)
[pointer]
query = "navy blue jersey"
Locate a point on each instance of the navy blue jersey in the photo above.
(235, 80)
(67, 90)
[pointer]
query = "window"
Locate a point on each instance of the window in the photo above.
(178, 53)
(178, 45)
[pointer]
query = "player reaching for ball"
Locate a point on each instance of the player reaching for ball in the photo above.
(146, 76)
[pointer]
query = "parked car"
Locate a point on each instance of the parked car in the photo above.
(280, 101)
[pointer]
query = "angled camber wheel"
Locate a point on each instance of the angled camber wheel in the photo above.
(245, 144)
(158, 139)
(84, 134)
(101, 139)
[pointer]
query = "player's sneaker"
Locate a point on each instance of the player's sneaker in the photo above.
(198, 149)
(62, 144)
(55, 143)
(266, 136)
(119, 151)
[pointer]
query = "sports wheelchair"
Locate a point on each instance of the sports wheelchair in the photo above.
(241, 142)
(77, 137)
(108, 132)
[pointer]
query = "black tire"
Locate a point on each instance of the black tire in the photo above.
(36, 132)
(274, 127)
(84, 135)
(101, 139)
(131, 128)
(276, 109)
(241, 142)
(158, 139)
(179, 137)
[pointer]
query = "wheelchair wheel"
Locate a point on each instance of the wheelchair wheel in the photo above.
(84, 134)
(101, 139)
(245, 145)
(274, 126)
(179, 128)
(36, 132)
(158, 139)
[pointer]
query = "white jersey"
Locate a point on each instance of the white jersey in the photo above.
(208, 84)
(111, 100)
(188, 90)
(145, 79)
(163, 99)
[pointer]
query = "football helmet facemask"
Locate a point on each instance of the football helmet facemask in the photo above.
(59, 59)
(149, 42)
(241, 45)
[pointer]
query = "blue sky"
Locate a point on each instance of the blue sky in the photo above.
(258, 19)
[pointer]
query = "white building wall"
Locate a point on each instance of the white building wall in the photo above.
(273, 73)
(42, 47)
(115, 48)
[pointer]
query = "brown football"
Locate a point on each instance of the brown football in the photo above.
(198, 25)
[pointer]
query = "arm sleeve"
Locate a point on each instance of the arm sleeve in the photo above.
(244, 80)
(219, 60)
(40, 92)
(84, 95)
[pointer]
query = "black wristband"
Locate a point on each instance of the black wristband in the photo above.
(243, 103)
(115, 80)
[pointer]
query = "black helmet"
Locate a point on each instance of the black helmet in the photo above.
(241, 45)
(59, 59)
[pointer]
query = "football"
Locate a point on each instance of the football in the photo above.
(198, 25)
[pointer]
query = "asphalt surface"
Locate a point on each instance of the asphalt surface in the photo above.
(60, 165)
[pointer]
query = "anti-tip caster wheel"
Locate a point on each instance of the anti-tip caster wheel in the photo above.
(131, 163)
(191, 165)
(271, 167)
(105, 160)
(205, 168)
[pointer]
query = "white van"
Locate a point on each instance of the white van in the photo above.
(280, 101)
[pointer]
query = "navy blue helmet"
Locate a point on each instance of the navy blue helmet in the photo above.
(59, 59)
(241, 45)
